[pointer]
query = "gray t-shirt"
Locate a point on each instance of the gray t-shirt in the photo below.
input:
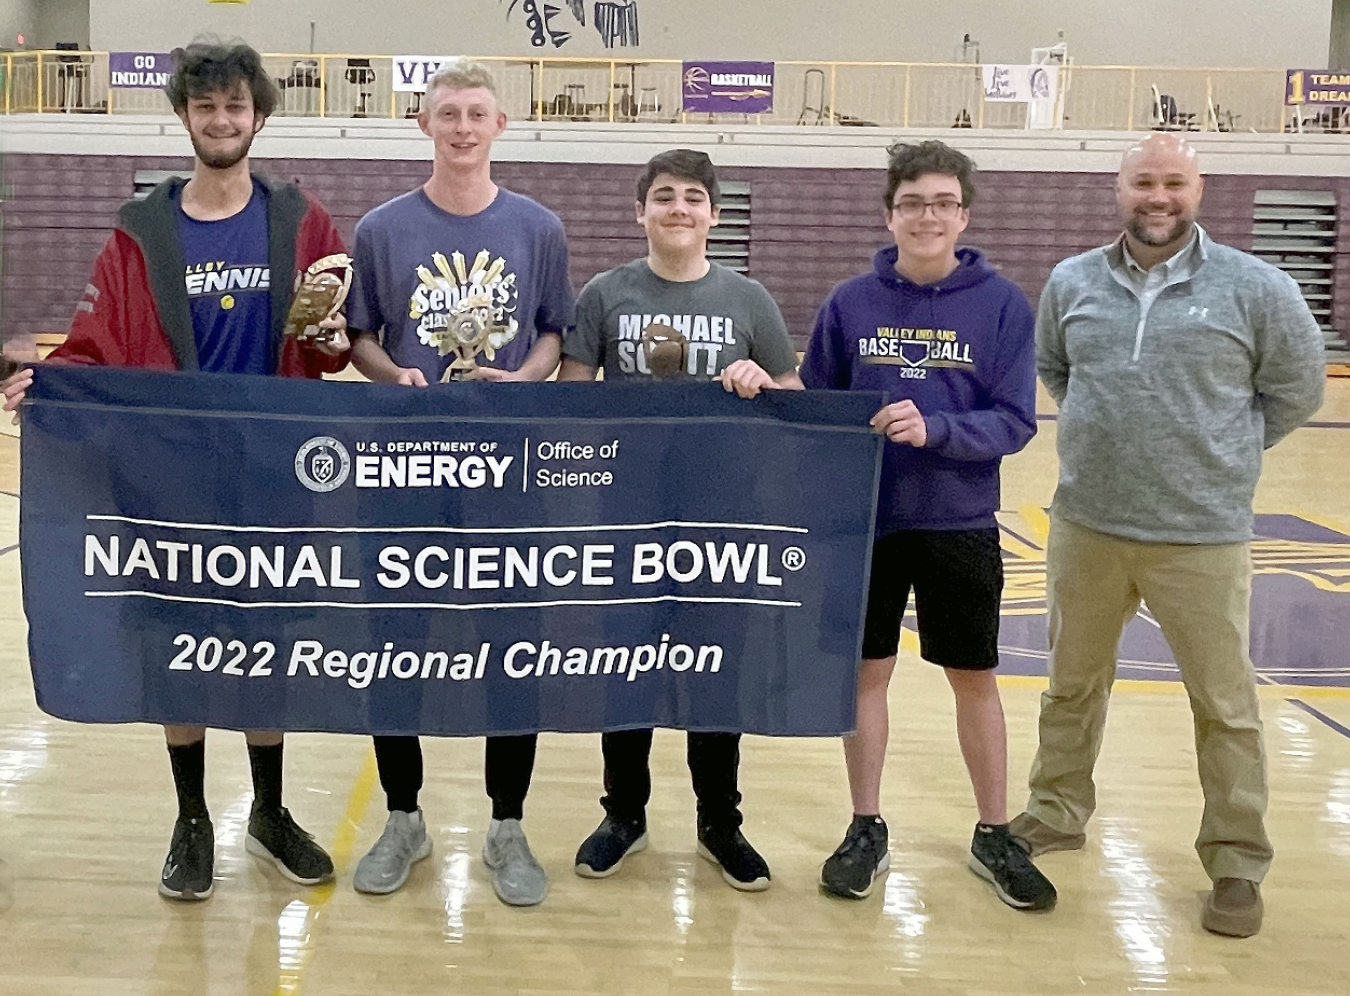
(726, 317)
(417, 269)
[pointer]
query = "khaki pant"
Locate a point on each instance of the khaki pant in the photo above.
(1201, 597)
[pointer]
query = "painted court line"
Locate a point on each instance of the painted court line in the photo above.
(1020, 538)
(1321, 717)
(1158, 686)
(1316, 714)
(8, 549)
(290, 980)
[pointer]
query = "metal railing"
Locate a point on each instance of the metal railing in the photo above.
(880, 94)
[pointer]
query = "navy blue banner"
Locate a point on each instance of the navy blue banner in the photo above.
(259, 553)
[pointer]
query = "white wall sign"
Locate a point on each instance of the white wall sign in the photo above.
(413, 72)
(1020, 84)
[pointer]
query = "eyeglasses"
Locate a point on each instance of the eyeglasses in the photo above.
(911, 208)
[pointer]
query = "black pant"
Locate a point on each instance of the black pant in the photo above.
(714, 759)
(507, 768)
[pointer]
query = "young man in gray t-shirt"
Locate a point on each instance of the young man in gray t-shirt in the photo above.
(737, 337)
(725, 316)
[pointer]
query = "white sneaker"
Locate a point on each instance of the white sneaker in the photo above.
(518, 879)
(388, 864)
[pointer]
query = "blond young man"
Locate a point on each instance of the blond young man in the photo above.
(457, 247)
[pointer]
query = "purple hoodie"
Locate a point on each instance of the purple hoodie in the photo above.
(963, 351)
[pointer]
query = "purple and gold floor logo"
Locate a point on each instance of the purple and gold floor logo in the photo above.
(1301, 577)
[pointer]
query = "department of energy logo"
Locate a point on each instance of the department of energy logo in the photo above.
(323, 464)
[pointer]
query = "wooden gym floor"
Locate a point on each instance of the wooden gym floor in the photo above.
(86, 812)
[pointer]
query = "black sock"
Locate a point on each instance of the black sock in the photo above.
(266, 765)
(507, 769)
(869, 817)
(991, 827)
(400, 764)
(189, 775)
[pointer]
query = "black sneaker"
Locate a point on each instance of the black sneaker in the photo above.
(601, 854)
(273, 835)
(997, 858)
(190, 867)
(853, 869)
(741, 865)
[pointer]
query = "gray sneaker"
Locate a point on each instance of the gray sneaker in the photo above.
(388, 864)
(517, 878)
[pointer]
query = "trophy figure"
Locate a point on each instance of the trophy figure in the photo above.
(467, 336)
(321, 292)
(666, 350)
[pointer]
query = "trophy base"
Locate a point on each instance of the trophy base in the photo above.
(453, 373)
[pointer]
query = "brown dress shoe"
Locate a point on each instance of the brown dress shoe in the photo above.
(1233, 908)
(1036, 837)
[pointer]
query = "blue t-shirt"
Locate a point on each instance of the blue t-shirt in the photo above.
(228, 278)
(418, 269)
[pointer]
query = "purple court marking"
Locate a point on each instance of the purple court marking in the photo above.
(10, 493)
(8, 549)
(1300, 593)
(1321, 717)
(1019, 537)
(1046, 417)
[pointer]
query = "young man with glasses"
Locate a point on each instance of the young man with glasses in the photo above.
(950, 343)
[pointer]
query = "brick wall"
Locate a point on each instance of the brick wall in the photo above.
(811, 229)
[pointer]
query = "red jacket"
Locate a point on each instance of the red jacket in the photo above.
(135, 312)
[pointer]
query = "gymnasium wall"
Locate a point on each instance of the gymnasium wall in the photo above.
(17, 17)
(1258, 33)
(43, 23)
(812, 226)
(63, 21)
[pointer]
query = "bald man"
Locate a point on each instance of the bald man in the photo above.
(1175, 362)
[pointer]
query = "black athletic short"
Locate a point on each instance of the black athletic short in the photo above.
(957, 578)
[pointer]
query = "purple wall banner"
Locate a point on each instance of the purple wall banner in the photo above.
(728, 87)
(139, 70)
(1316, 86)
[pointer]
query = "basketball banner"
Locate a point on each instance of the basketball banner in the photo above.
(727, 87)
(260, 553)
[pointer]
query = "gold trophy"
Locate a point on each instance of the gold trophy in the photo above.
(666, 350)
(479, 317)
(467, 336)
(322, 291)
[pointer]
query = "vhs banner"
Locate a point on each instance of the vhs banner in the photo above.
(259, 553)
